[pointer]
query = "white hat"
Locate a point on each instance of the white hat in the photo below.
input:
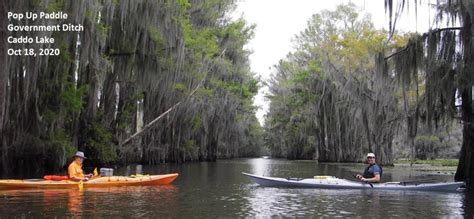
(80, 154)
(370, 155)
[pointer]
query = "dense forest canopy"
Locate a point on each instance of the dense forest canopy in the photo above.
(134, 60)
(348, 90)
(330, 100)
(443, 59)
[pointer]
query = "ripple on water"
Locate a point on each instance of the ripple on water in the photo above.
(332, 203)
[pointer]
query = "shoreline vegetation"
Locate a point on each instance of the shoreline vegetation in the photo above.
(175, 73)
(434, 162)
(403, 161)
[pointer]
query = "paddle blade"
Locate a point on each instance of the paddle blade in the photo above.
(80, 185)
(95, 172)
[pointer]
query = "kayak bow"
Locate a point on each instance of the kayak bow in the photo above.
(336, 183)
(108, 181)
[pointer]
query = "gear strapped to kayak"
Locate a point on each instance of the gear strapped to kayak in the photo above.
(336, 183)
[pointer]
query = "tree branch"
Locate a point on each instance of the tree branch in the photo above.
(423, 36)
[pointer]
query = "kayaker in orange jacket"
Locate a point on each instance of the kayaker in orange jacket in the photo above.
(74, 171)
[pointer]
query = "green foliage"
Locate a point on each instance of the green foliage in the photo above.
(126, 115)
(253, 86)
(427, 139)
(204, 92)
(190, 147)
(156, 36)
(236, 34)
(237, 88)
(102, 29)
(72, 97)
(51, 152)
(65, 56)
(301, 77)
(200, 41)
(99, 144)
(254, 146)
(180, 87)
(60, 143)
(184, 4)
(55, 5)
(428, 146)
(89, 14)
(50, 116)
(197, 123)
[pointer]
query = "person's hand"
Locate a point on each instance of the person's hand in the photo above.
(85, 179)
(89, 175)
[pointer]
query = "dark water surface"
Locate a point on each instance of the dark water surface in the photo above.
(219, 190)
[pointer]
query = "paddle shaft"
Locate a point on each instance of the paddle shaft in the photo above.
(370, 184)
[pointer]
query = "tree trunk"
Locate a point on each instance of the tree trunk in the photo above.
(365, 121)
(465, 171)
(3, 82)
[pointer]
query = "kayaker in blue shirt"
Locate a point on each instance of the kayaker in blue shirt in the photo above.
(373, 172)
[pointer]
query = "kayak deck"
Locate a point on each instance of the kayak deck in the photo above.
(336, 183)
(106, 181)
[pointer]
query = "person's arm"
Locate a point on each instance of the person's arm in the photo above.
(376, 178)
(77, 179)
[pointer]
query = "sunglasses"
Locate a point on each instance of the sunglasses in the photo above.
(370, 157)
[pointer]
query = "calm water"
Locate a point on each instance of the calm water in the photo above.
(219, 190)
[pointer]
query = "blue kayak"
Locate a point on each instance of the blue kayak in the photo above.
(330, 182)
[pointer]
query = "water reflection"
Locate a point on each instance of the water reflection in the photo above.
(135, 201)
(261, 166)
(349, 203)
(468, 204)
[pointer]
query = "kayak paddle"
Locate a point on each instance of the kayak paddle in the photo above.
(370, 184)
(81, 185)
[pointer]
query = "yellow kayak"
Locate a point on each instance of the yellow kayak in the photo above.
(105, 181)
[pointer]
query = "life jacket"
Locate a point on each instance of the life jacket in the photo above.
(368, 174)
(55, 177)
